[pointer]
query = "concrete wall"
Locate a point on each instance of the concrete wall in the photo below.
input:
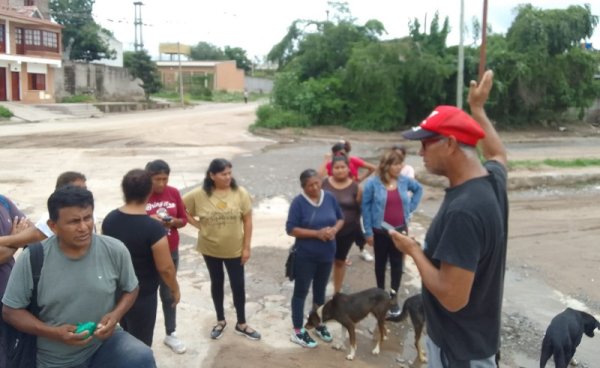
(262, 85)
(228, 77)
(106, 83)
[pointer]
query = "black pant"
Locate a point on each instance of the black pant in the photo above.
(235, 271)
(385, 249)
(139, 321)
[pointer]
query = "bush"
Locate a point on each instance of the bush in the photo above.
(199, 92)
(273, 118)
(5, 113)
(78, 99)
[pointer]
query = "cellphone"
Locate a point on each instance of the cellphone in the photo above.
(388, 227)
(167, 218)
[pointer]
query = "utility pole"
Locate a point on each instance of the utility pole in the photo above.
(483, 40)
(460, 77)
(180, 74)
(139, 42)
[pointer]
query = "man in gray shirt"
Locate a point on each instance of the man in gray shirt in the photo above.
(85, 278)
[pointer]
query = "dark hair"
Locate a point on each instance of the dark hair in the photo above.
(68, 177)
(347, 146)
(338, 158)
(136, 186)
(307, 174)
(400, 148)
(338, 148)
(158, 167)
(216, 166)
(69, 196)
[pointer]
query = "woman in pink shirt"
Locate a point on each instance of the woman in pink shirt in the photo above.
(354, 163)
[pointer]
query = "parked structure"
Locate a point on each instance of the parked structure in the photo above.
(30, 51)
(221, 75)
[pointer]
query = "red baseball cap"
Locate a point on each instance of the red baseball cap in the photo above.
(447, 121)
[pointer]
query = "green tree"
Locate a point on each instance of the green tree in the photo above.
(141, 66)
(80, 30)
(207, 51)
(239, 55)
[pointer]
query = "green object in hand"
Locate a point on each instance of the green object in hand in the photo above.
(90, 327)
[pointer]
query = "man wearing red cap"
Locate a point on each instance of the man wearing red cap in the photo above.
(463, 258)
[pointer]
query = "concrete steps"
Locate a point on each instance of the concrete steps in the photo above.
(77, 110)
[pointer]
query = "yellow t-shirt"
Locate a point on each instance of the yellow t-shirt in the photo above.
(221, 231)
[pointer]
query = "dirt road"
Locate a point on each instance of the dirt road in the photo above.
(553, 256)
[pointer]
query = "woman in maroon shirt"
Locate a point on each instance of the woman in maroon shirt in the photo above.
(348, 194)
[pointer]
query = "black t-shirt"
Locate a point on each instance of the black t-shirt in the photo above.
(139, 233)
(470, 231)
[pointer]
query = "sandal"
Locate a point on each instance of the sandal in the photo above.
(252, 335)
(217, 330)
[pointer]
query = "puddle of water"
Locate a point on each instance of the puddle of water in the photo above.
(273, 206)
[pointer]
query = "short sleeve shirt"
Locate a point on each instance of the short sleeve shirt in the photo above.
(72, 291)
(221, 233)
(470, 232)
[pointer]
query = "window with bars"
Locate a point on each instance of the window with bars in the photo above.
(37, 81)
(29, 2)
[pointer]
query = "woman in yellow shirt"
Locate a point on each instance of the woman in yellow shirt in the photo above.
(222, 212)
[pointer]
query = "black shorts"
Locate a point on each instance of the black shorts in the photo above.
(344, 243)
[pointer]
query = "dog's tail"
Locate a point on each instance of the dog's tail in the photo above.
(401, 317)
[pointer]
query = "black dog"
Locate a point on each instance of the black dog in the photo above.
(348, 310)
(564, 335)
(413, 307)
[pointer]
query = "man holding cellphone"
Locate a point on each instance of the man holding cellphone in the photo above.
(464, 254)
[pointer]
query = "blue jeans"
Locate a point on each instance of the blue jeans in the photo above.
(308, 271)
(166, 298)
(121, 350)
(436, 359)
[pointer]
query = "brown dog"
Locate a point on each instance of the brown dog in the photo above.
(349, 309)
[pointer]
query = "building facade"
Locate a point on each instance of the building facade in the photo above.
(222, 75)
(30, 51)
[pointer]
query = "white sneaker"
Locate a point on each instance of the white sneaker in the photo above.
(174, 343)
(366, 256)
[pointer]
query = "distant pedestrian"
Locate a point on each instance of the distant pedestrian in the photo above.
(245, 96)
(221, 210)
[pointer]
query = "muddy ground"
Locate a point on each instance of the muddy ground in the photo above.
(553, 238)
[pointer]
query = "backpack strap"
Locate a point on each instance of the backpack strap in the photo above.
(36, 259)
(4, 203)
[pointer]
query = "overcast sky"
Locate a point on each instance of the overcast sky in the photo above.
(258, 25)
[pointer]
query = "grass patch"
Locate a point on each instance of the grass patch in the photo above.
(78, 99)
(5, 113)
(202, 94)
(573, 163)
